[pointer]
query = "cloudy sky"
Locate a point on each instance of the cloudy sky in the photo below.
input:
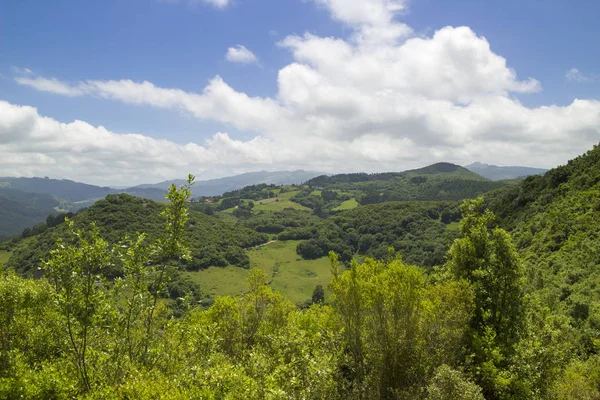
(138, 91)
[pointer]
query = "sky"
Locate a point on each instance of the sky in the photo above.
(117, 92)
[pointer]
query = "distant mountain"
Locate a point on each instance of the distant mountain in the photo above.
(216, 187)
(25, 202)
(447, 170)
(497, 173)
(64, 188)
(16, 216)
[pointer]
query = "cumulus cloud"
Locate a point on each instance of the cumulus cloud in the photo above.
(575, 75)
(240, 54)
(34, 145)
(380, 99)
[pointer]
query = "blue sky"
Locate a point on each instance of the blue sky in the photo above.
(182, 45)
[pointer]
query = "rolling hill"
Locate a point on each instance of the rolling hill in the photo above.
(440, 182)
(212, 242)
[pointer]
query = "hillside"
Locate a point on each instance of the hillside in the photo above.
(64, 188)
(20, 210)
(16, 216)
(212, 242)
(496, 173)
(439, 182)
(555, 219)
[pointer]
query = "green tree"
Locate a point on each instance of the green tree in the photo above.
(397, 326)
(449, 383)
(485, 256)
(318, 296)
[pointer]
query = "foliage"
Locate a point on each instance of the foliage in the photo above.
(449, 383)
(485, 256)
(211, 242)
(397, 327)
(418, 230)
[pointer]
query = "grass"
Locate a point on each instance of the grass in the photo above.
(4, 256)
(289, 274)
(278, 203)
(453, 226)
(347, 205)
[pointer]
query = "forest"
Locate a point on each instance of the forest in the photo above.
(484, 290)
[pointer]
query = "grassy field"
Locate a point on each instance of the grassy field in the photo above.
(4, 256)
(289, 274)
(278, 203)
(347, 205)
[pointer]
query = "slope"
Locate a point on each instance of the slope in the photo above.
(211, 241)
(555, 219)
(441, 181)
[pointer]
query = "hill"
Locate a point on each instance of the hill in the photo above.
(216, 187)
(437, 182)
(496, 173)
(212, 242)
(555, 219)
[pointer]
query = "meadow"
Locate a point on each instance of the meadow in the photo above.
(288, 273)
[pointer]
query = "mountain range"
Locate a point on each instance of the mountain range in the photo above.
(497, 173)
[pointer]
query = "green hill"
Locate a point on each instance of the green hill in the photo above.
(437, 182)
(212, 242)
(555, 219)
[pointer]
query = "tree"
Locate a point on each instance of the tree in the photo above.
(449, 383)
(485, 256)
(397, 326)
(318, 296)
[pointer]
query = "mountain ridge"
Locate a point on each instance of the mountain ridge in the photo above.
(496, 173)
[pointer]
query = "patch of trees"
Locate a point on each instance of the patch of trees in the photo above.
(555, 219)
(286, 222)
(418, 230)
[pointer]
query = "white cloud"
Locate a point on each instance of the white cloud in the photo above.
(240, 54)
(50, 85)
(377, 100)
(575, 75)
